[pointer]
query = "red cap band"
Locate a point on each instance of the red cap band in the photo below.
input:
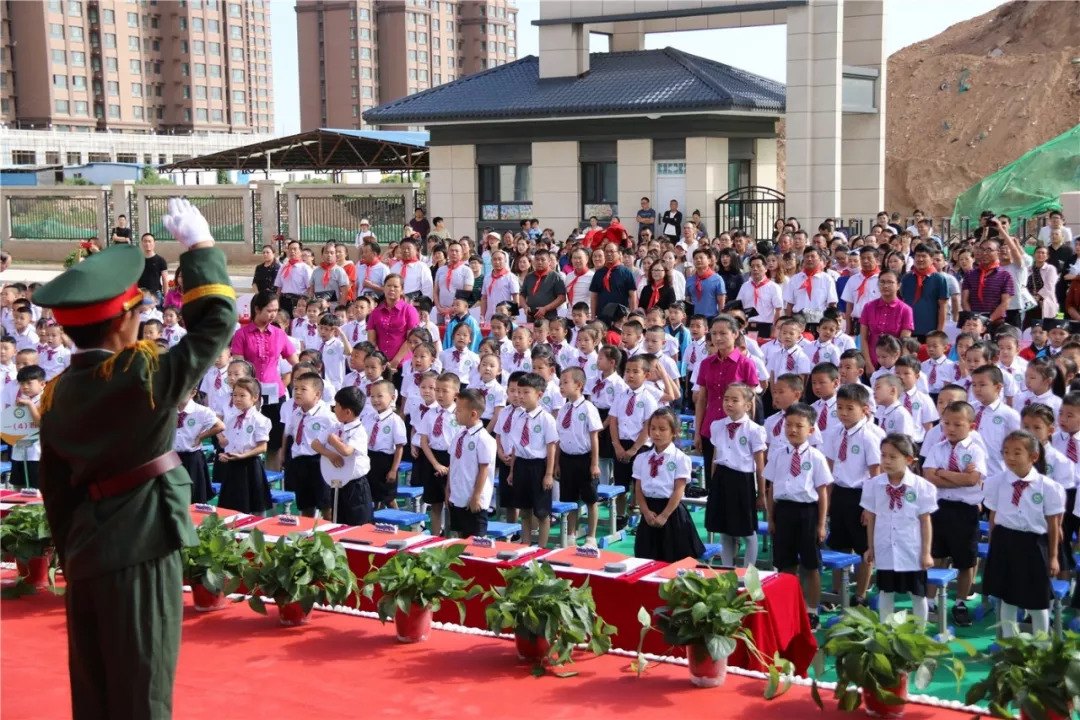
(97, 312)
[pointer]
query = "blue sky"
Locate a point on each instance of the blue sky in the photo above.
(757, 50)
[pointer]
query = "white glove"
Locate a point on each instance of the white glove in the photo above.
(186, 224)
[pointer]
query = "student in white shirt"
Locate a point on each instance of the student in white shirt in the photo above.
(899, 505)
(239, 467)
(1039, 378)
(335, 349)
(823, 349)
(307, 331)
(853, 447)
(544, 365)
(797, 506)
(215, 386)
(763, 296)
(195, 423)
(437, 430)
(303, 469)
(26, 454)
(519, 357)
(1025, 512)
(22, 332)
(824, 381)
(785, 356)
(1038, 420)
(472, 469)
(993, 418)
(53, 357)
(578, 425)
(628, 424)
(737, 481)
(939, 370)
(892, 416)
(532, 466)
(460, 359)
(171, 330)
(386, 443)
(918, 404)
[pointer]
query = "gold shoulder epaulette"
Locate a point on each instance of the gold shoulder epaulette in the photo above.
(147, 349)
(47, 393)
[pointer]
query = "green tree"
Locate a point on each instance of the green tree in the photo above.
(223, 178)
(150, 176)
(415, 176)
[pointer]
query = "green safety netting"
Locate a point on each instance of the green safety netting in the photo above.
(1029, 186)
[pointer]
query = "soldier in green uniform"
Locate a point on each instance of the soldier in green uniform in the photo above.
(116, 494)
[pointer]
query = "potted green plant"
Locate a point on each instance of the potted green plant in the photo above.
(25, 537)
(296, 572)
(415, 585)
(878, 657)
(1038, 674)
(212, 568)
(548, 615)
(704, 615)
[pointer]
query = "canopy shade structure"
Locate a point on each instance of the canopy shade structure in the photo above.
(323, 149)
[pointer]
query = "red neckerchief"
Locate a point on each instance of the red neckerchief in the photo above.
(919, 277)
(808, 284)
(862, 286)
(570, 287)
(607, 278)
(539, 278)
(327, 267)
(655, 297)
(288, 268)
(699, 278)
(495, 276)
(757, 287)
(367, 269)
(983, 273)
(404, 269)
(450, 268)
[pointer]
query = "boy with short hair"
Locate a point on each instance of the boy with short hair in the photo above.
(26, 456)
(1057, 333)
(532, 461)
(7, 359)
(334, 349)
(544, 366)
(437, 431)
(823, 349)
(824, 380)
(957, 467)
(579, 428)
(785, 355)
(471, 480)
(949, 394)
(628, 423)
(344, 462)
(53, 357)
(632, 343)
(938, 368)
(696, 351)
(519, 358)
(461, 316)
(993, 418)
(787, 390)
(386, 444)
(151, 330)
(797, 505)
(853, 449)
(892, 416)
(985, 352)
(923, 412)
(303, 474)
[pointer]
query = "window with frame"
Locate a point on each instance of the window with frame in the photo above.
(411, 54)
(214, 48)
(60, 81)
(236, 53)
(365, 34)
(236, 32)
(56, 30)
(200, 70)
(505, 191)
(78, 82)
(197, 24)
(201, 114)
(62, 107)
(412, 36)
(237, 76)
(198, 47)
(59, 57)
(112, 64)
(200, 92)
(215, 93)
(240, 118)
(78, 59)
(216, 115)
(365, 53)
(113, 88)
(74, 8)
(213, 26)
(599, 189)
(365, 72)
(137, 111)
(110, 40)
(114, 111)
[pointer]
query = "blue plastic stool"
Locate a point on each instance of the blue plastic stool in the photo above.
(607, 494)
(502, 530)
(275, 477)
(939, 578)
(5, 467)
(401, 518)
(711, 551)
(4, 447)
(404, 471)
(1059, 589)
(216, 487)
(840, 562)
(412, 494)
(561, 511)
(283, 498)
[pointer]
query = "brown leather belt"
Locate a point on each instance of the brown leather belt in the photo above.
(133, 478)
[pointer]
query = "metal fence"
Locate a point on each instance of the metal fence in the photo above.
(752, 209)
(225, 215)
(53, 217)
(337, 217)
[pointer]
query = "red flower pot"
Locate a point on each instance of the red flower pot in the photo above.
(206, 601)
(533, 651)
(704, 671)
(292, 614)
(35, 572)
(414, 626)
(876, 707)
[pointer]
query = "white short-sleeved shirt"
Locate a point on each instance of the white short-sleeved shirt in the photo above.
(477, 448)
(578, 290)
(53, 360)
(813, 473)
(1048, 398)
(307, 425)
(173, 334)
(494, 396)
(552, 399)
(920, 382)
(307, 333)
(769, 300)
(657, 472)
(191, 422)
(641, 405)
(461, 279)
(215, 386)
(862, 451)
(334, 360)
(922, 411)
(541, 433)
(966, 451)
(245, 430)
(356, 380)
(439, 426)
(696, 352)
(575, 423)
(851, 296)
(897, 537)
(777, 438)
(820, 352)
(736, 446)
(896, 419)
(295, 281)
(356, 465)
(417, 411)
(355, 330)
(1060, 442)
(459, 362)
(391, 431)
(826, 414)
(822, 294)
(30, 452)
(417, 278)
(565, 353)
(376, 273)
(780, 360)
(1018, 371)
(938, 373)
(996, 421)
(588, 364)
(1040, 499)
(602, 391)
(26, 340)
(504, 428)
(514, 361)
(504, 289)
(1058, 467)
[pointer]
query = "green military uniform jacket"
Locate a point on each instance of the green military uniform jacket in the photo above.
(106, 415)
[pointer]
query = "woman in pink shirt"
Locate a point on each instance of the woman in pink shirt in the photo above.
(262, 343)
(390, 322)
(714, 374)
(886, 315)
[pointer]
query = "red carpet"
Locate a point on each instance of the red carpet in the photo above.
(235, 663)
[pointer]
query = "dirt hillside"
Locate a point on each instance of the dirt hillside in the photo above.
(972, 99)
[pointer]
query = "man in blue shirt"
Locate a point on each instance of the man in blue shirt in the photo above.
(705, 289)
(613, 283)
(646, 218)
(926, 291)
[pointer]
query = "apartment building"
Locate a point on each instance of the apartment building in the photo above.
(145, 66)
(356, 54)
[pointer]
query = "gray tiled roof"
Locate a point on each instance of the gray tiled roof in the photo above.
(646, 81)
